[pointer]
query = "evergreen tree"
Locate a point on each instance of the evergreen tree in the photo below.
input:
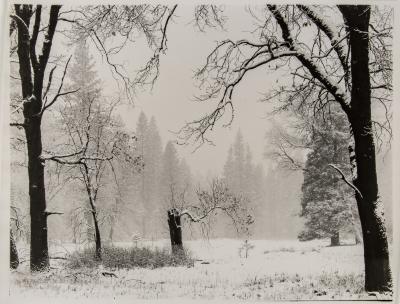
(141, 132)
(153, 155)
(249, 177)
(152, 170)
(170, 175)
(241, 178)
(327, 202)
(228, 168)
(239, 164)
(82, 74)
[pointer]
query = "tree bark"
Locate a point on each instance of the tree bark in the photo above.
(175, 231)
(32, 86)
(335, 239)
(14, 260)
(89, 226)
(357, 239)
(39, 246)
(376, 253)
(97, 237)
(32, 120)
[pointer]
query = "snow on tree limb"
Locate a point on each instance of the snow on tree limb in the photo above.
(20, 21)
(331, 33)
(316, 72)
(346, 180)
(47, 213)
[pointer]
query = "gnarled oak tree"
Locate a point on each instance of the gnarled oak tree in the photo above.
(335, 55)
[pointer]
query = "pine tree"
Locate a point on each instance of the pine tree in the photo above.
(228, 168)
(142, 185)
(327, 202)
(153, 150)
(249, 177)
(239, 175)
(152, 169)
(170, 175)
(82, 73)
(239, 164)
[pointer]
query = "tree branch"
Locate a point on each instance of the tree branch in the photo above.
(49, 81)
(199, 218)
(330, 32)
(47, 213)
(333, 88)
(59, 94)
(21, 22)
(34, 38)
(44, 57)
(17, 124)
(346, 180)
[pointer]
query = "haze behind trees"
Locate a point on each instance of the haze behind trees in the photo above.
(282, 187)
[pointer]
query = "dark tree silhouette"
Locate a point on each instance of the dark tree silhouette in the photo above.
(32, 71)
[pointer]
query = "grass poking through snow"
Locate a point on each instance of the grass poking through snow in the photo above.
(118, 258)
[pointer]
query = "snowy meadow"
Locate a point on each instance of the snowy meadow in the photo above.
(273, 270)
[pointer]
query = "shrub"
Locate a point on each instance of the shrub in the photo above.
(118, 257)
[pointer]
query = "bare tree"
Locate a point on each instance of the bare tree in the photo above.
(34, 102)
(347, 62)
(94, 140)
(218, 199)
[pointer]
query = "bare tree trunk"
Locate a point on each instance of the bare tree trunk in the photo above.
(111, 233)
(335, 239)
(376, 253)
(97, 237)
(14, 260)
(357, 238)
(32, 85)
(39, 257)
(89, 225)
(175, 231)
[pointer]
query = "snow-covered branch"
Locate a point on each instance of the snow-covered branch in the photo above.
(337, 43)
(47, 213)
(346, 180)
(59, 93)
(334, 88)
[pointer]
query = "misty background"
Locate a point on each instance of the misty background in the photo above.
(163, 110)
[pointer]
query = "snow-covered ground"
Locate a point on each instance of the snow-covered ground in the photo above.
(273, 270)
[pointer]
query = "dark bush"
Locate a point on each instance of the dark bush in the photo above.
(118, 257)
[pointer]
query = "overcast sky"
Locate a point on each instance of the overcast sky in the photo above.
(171, 100)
